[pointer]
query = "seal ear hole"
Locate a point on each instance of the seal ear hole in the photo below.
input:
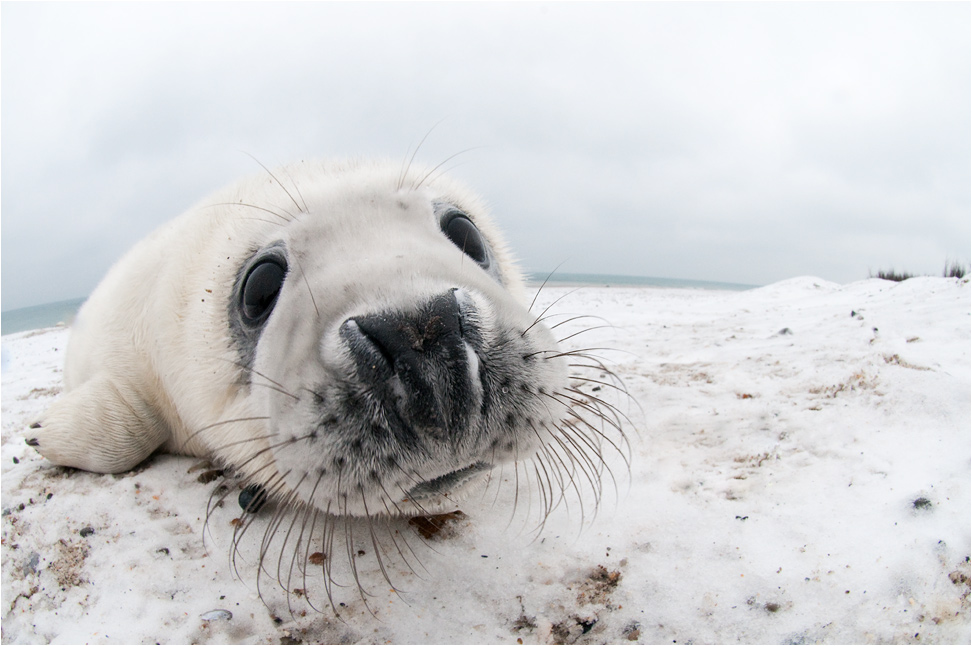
(464, 234)
(260, 290)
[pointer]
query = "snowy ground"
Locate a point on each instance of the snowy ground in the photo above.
(800, 474)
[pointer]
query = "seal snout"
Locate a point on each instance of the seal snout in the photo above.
(417, 363)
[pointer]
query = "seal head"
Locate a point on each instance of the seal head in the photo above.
(348, 337)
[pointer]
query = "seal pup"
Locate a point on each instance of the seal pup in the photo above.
(352, 337)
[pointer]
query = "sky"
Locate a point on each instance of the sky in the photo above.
(745, 143)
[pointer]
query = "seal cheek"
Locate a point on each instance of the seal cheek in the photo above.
(418, 366)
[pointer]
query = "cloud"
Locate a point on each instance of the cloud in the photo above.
(737, 142)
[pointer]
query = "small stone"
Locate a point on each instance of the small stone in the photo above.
(252, 498)
(30, 567)
(210, 475)
(217, 615)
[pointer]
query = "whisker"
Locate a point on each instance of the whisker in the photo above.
(577, 317)
(297, 189)
(589, 329)
(547, 308)
(310, 292)
(407, 167)
(182, 447)
(286, 217)
(416, 185)
(544, 284)
(284, 188)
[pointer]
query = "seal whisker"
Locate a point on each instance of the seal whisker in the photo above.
(300, 538)
(593, 405)
(253, 371)
(622, 389)
(276, 389)
(274, 522)
(296, 186)
(555, 462)
(280, 514)
(620, 417)
(388, 499)
(353, 558)
(240, 529)
(306, 512)
(270, 173)
(544, 284)
(403, 174)
(598, 433)
(268, 449)
(579, 461)
(310, 292)
(551, 354)
(330, 529)
(223, 492)
(258, 438)
(418, 184)
(581, 451)
(544, 500)
(516, 492)
(182, 447)
(569, 431)
(377, 548)
(589, 329)
(286, 217)
(295, 513)
(303, 565)
(576, 317)
(536, 321)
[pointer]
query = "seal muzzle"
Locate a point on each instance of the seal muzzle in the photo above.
(417, 365)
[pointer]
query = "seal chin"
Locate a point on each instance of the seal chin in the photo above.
(448, 484)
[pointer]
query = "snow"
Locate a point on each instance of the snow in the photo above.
(800, 472)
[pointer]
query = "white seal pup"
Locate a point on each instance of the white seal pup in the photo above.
(350, 336)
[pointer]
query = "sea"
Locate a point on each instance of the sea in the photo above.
(62, 312)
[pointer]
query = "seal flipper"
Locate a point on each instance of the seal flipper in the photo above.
(100, 426)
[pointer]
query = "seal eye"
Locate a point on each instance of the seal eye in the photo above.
(260, 290)
(464, 234)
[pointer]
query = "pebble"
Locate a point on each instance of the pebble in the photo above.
(210, 475)
(216, 615)
(252, 498)
(31, 565)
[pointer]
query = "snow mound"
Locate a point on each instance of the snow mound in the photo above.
(800, 473)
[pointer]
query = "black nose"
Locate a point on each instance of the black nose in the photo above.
(415, 364)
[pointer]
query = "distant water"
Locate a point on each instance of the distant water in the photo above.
(642, 281)
(40, 316)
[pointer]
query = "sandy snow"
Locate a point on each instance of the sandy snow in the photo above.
(800, 473)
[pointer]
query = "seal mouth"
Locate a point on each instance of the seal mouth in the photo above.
(446, 483)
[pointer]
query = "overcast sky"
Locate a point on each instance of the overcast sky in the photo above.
(734, 142)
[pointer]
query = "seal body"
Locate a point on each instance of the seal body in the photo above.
(350, 336)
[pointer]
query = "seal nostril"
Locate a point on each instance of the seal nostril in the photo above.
(415, 363)
(406, 337)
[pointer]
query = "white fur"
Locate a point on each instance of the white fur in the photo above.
(151, 362)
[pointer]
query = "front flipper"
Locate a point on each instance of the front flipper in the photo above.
(101, 426)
